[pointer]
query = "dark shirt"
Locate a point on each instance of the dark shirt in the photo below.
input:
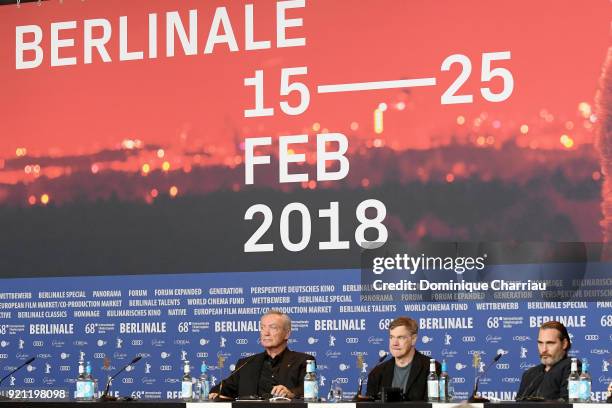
(268, 377)
(416, 384)
(549, 385)
(400, 376)
(256, 376)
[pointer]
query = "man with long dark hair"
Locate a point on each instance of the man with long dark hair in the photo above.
(548, 380)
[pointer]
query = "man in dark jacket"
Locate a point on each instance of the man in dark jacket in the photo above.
(408, 369)
(277, 372)
(548, 381)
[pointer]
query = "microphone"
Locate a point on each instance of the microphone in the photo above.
(105, 396)
(221, 397)
(473, 397)
(15, 370)
(526, 396)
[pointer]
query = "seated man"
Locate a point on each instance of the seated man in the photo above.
(548, 381)
(277, 372)
(408, 369)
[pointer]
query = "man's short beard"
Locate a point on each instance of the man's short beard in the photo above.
(554, 361)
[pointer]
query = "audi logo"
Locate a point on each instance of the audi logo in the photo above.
(591, 337)
(64, 368)
(99, 355)
(426, 352)
(469, 339)
(502, 366)
(165, 368)
(28, 380)
(242, 341)
(342, 380)
(137, 342)
(202, 354)
(38, 343)
(459, 380)
(352, 340)
(3, 355)
(171, 380)
(127, 380)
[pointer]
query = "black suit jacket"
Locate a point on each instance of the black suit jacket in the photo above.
(245, 378)
(416, 385)
(550, 385)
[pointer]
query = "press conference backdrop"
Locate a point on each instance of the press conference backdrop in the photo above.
(201, 317)
(170, 170)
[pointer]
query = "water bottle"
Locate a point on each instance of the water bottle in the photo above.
(203, 383)
(311, 383)
(573, 383)
(186, 383)
(433, 385)
(81, 383)
(89, 391)
(584, 393)
(444, 383)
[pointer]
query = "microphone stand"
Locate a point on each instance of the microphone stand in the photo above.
(222, 398)
(474, 398)
(105, 397)
(367, 398)
(2, 397)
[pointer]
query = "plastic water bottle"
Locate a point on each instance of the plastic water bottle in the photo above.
(433, 384)
(573, 383)
(311, 383)
(81, 383)
(444, 383)
(203, 383)
(584, 393)
(89, 391)
(187, 383)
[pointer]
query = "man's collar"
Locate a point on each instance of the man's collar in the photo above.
(278, 356)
